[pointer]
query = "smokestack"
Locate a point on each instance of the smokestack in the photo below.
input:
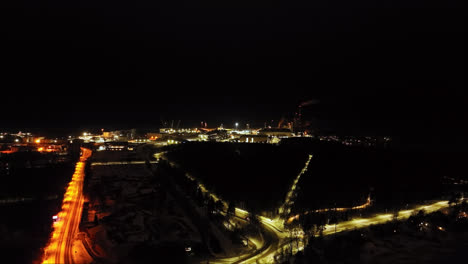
(310, 102)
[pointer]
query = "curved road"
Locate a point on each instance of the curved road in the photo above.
(273, 235)
(276, 237)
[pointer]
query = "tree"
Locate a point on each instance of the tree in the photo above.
(144, 253)
(254, 220)
(199, 199)
(236, 235)
(395, 216)
(219, 205)
(231, 208)
(210, 205)
(307, 224)
(454, 198)
(280, 254)
(464, 205)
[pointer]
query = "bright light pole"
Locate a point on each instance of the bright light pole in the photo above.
(237, 124)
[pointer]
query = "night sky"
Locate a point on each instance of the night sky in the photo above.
(389, 66)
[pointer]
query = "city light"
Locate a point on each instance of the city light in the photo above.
(276, 222)
(233, 132)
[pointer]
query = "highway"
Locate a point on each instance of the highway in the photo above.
(65, 229)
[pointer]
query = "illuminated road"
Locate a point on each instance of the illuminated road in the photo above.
(277, 237)
(338, 209)
(383, 218)
(285, 207)
(274, 235)
(280, 238)
(111, 163)
(65, 228)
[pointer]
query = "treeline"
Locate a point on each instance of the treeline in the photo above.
(257, 175)
(344, 176)
(25, 230)
(217, 213)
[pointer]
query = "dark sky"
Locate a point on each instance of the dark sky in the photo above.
(384, 65)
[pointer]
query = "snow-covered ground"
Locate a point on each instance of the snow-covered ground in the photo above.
(402, 248)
